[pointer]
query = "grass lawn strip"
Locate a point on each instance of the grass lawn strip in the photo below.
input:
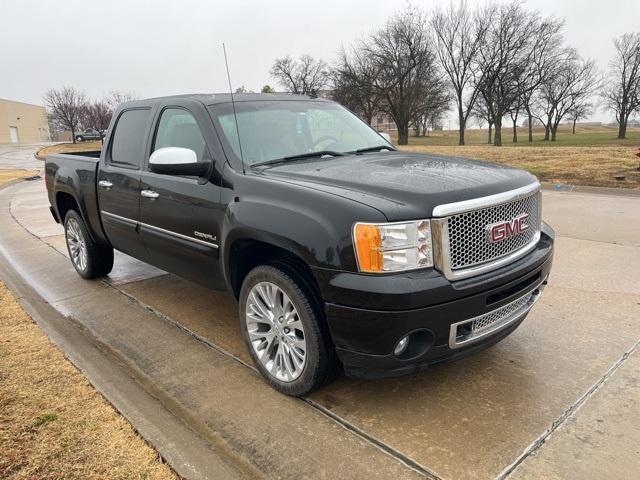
(53, 423)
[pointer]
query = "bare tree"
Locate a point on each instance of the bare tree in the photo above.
(571, 83)
(514, 112)
(581, 110)
(459, 35)
(405, 65)
(116, 97)
(481, 112)
(305, 76)
(622, 89)
(96, 114)
(435, 102)
(66, 105)
(546, 51)
(354, 84)
(504, 58)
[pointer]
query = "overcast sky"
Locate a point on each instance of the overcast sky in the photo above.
(164, 47)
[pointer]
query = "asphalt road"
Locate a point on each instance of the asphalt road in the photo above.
(560, 398)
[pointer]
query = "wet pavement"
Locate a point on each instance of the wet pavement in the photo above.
(558, 398)
(20, 156)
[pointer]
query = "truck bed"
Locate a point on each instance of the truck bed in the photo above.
(73, 176)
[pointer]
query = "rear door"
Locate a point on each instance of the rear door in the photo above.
(180, 216)
(119, 181)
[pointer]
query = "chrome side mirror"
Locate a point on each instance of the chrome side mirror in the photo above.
(177, 161)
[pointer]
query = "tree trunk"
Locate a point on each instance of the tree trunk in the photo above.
(489, 137)
(546, 133)
(368, 118)
(73, 135)
(573, 130)
(554, 130)
(497, 136)
(515, 131)
(403, 134)
(530, 117)
(622, 129)
(461, 122)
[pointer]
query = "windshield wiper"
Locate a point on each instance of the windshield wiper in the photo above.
(299, 156)
(377, 148)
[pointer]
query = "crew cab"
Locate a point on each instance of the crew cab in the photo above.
(342, 251)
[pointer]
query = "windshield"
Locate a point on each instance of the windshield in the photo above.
(273, 130)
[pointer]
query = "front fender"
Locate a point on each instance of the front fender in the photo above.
(313, 225)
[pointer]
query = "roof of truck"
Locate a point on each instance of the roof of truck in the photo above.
(215, 98)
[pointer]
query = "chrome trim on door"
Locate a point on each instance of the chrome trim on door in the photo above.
(158, 229)
(484, 202)
(106, 184)
(149, 194)
(178, 235)
(118, 217)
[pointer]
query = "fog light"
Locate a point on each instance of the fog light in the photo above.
(401, 346)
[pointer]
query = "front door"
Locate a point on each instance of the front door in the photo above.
(180, 216)
(119, 182)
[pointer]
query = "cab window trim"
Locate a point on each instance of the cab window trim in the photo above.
(109, 156)
(156, 127)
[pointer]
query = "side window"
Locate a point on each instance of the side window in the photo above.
(178, 128)
(129, 139)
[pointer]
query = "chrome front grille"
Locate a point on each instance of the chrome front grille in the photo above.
(461, 234)
(468, 243)
(473, 329)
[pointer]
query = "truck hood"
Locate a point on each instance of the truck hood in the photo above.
(402, 185)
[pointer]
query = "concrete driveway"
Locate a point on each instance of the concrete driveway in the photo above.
(20, 156)
(559, 398)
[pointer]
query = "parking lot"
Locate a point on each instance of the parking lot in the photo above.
(559, 398)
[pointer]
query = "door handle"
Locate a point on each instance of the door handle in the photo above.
(106, 184)
(149, 194)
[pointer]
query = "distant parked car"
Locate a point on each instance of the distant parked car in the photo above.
(89, 134)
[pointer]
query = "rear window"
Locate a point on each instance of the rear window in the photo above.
(129, 138)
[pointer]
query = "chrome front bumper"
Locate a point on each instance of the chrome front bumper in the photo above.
(475, 329)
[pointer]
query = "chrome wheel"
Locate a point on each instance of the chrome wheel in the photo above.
(275, 331)
(77, 245)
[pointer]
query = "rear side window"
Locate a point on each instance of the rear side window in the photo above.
(129, 138)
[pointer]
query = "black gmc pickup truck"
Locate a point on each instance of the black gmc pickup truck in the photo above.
(340, 250)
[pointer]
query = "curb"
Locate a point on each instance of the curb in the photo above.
(197, 457)
(37, 154)
(567, 188)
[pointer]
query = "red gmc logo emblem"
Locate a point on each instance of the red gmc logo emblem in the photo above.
(497, 232)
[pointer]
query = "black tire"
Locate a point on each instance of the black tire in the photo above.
(99, 258)
(79, 139)
(320, 364)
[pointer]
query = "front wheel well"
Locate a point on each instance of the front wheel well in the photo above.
(247, 254)
(64, 203)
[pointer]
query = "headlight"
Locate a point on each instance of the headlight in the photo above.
(393, 247)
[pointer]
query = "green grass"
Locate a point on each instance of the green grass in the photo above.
(46, 418)
(584, 136)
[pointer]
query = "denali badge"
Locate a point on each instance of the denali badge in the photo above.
(206, 236)
(496, 232)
